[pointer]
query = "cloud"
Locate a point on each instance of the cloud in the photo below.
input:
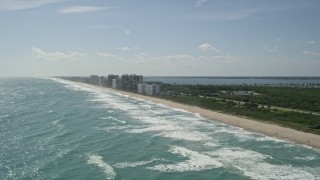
(124, 49)
(200, 2)
(188, 58)
(177, 58)
(207, 47)
(225, 58)
(219, 58)
(23, 4)
(141, 58)
(53, 56)
(311, 53)
(127, 32)
(272, 50)
(113, 56)
(81, 9)
(311, 42)
(228, 15)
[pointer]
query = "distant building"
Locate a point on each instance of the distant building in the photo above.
(110, 78)
(130, 82)
(94, 79)
(142, 88)
(116, 83)
(102, 81)
(149, 89)
(242, 93)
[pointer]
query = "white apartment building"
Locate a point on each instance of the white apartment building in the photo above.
(142, 88)
(116, 83)
(153, 89)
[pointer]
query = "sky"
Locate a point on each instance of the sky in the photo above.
(160, 37)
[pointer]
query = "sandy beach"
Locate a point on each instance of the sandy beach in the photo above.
(299, 137)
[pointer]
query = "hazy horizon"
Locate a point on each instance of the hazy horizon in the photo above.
(159, 38)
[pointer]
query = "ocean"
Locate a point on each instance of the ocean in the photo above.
(55, 129)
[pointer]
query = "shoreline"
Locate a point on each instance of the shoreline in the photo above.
(273, 130)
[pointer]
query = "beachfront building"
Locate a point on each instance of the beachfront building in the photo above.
(116, 83)
(94, 79)
(130, 82)
(149, 89)
(102, 81)
(142, 88)
(110, 78)
(152, 90)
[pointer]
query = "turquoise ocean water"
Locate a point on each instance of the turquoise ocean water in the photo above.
(54, 129)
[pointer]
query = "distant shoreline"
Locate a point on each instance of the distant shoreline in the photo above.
(299, 137)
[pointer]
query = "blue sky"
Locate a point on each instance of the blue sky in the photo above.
(160, 37)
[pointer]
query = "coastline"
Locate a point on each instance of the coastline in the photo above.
(273, 130)
(248, 124)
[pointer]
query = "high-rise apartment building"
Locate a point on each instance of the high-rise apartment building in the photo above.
(152, 90)
(130, 82)
(110, 78)
(116, 83)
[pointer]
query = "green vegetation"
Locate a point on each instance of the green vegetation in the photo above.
(296, 98)
(258, 106)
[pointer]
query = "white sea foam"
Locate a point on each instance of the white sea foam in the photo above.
(187, 117)
(197, 115)
(58, 124)
(117, 127)
(289, 145)
(131, 164)
(144, 117)
(268, 138)
(156, 129)
(186, 135)
(103, 118)
(306, 146)
(243, 135)
(195, 162)
(235, 131)
(281, 172)
(306, 158)
(121, 105)
(238, 154)
(272, 146)
(107, 169)
(135, 164)
(211, 144)
(171, 126)
(115, 119)
(254, 165)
